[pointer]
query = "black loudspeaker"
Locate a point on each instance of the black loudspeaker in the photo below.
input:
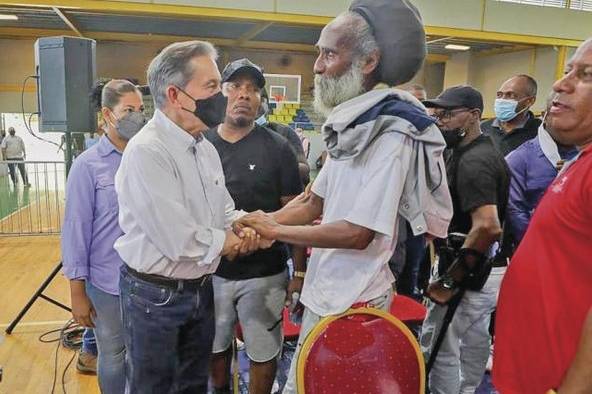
(66, 70)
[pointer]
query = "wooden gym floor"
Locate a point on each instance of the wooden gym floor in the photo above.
(27, 363)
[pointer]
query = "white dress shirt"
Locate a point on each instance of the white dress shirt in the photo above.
(365, 191)
(15, 147)
(173, 204)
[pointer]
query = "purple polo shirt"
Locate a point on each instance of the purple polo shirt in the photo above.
(91, 224)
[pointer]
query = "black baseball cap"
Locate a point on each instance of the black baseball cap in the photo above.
(244, 65)
(457, 97)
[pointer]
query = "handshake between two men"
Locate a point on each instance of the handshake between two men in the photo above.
(250, 233)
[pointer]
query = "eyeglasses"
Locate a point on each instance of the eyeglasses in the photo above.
(448, 114)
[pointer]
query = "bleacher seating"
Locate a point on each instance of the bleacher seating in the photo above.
(290, 114)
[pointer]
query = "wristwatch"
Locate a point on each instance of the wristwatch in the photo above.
(299, 274)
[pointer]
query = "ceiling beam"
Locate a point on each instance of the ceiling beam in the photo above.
(67, 21)
(28, 33)
(252, 33)
(437, 58)
(172, 10)
(435, 40)
(156, 9)
(503, 50)
(479, 35)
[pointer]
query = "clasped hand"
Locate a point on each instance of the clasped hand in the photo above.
(261, 222)
(244, 240)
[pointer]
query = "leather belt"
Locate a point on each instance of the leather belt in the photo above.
(172, 283)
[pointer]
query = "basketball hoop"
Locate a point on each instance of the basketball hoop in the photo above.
(278, 98)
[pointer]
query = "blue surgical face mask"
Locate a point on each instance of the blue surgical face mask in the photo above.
(261, 121)
(505, 109)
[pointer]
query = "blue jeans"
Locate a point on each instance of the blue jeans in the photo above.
(89, 342)
(415, 246)
(168, 335)
(109, 335)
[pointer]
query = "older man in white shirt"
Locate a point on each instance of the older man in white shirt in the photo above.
(176, 215)
(384, 164)
(13, 149)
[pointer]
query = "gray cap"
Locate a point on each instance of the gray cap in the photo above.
(246, 66)
(399, 33)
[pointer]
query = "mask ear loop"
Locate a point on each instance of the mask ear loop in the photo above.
(524, 109)
(108, 119)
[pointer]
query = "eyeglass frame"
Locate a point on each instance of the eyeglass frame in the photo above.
(448, 114)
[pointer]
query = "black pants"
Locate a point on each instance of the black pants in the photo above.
(22, 170)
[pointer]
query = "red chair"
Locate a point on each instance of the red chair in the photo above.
(364, 351)
(407, 309)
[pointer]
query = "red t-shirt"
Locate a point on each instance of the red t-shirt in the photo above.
(547, 292)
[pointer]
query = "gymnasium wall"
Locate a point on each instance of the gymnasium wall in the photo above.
(487, 15)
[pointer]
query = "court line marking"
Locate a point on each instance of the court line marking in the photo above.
(37, 323)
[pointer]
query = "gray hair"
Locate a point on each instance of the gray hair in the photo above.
(172, 67)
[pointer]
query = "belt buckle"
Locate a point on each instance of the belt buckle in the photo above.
(204, 279)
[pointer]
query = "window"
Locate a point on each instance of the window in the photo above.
(582, 5)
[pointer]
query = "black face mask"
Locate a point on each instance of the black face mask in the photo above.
(211, 110)
(453, 137)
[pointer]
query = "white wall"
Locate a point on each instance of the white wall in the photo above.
(489, 72)
(457, 70)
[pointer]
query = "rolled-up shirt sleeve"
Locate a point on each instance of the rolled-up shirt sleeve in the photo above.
(78, 221)
(148, 188)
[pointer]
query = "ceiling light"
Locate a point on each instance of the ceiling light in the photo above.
(455, 47)
(7, 17)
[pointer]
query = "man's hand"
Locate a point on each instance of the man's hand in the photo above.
(231, 245)
(249, 241)
(83, 311)
(242, 241)
(262, 223)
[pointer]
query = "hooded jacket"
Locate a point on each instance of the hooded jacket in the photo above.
(355, 124)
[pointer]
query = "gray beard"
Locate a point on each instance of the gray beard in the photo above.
(329, 92)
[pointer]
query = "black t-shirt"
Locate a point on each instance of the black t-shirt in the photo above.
(259, 169)
(294, 140)
(477, 176)
(290, 135)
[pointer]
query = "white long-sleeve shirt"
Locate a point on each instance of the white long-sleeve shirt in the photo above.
(173, 203)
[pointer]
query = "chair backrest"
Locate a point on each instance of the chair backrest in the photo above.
(364, 351)
(407, 309)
